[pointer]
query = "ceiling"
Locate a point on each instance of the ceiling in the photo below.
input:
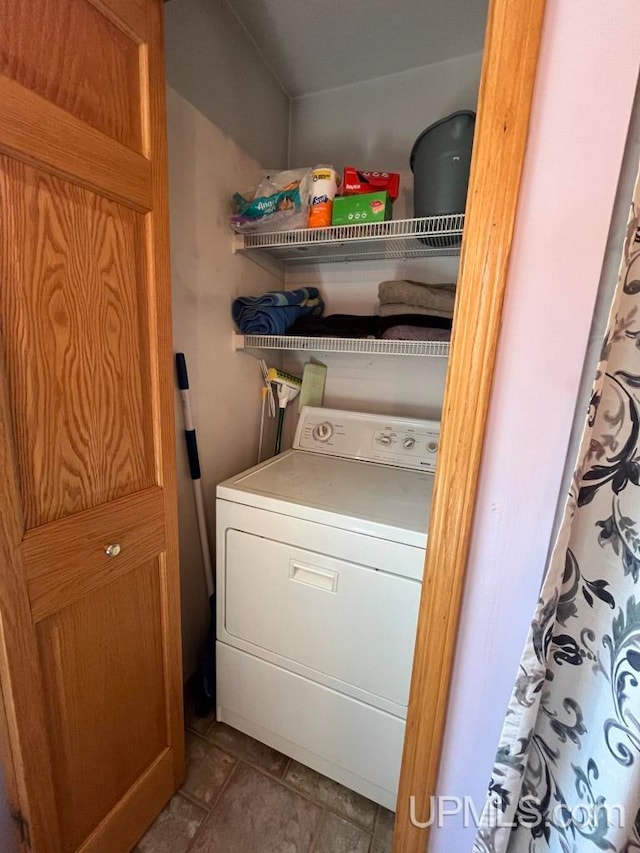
(312, 45)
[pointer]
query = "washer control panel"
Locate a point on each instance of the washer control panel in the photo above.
(401, 442)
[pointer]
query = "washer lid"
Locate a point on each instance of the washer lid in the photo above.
(390, 503)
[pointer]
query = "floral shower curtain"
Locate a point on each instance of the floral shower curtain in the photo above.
(567, 773)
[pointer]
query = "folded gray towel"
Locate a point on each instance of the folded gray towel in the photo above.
(440, 296)
(402, 308)
(416, 333)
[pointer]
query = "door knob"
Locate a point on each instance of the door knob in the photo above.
(112, 550)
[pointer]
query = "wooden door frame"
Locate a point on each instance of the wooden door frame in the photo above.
(513, 35)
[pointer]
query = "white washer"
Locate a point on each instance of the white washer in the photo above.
(320, 555)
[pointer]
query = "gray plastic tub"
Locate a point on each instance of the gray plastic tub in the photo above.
(440, 161)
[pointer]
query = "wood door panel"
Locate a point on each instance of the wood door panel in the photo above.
(76, 59)
(102, 664)
(90, 659)
(42, 134)
(67, 559)
(75, 337)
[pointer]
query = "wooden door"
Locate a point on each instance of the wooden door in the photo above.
(89, 589)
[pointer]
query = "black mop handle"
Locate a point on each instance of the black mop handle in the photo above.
(189, 428)
(194, 467)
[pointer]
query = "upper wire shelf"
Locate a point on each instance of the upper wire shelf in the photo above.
(400, 239)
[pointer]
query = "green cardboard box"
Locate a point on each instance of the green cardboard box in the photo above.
(356, 209)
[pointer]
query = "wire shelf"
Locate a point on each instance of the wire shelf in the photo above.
(428, 236)
(372, 346)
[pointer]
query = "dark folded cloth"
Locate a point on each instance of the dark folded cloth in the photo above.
(335, 326)
(423, 321)
(415, 333)
(273, 313)
(362, 326)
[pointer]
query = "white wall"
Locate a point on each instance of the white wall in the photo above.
(205, 168)
(212, 62)
(580, 116)
(387, 384)
(374, 125)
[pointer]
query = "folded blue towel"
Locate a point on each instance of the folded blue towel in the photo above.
(273, 313)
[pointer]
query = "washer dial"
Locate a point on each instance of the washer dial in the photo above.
(323, 431)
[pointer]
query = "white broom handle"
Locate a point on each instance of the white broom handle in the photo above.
(204, 541)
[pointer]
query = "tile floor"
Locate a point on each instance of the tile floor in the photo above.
(240, 796)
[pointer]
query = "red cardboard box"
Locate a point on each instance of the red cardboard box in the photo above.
(355, 182)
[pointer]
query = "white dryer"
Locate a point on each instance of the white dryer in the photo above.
(320, 555)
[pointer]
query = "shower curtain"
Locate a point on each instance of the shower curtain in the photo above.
(566, 777)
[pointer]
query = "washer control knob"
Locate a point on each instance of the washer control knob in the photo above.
(323, 431)
(409, 443)
(432, 446)
(384, 440)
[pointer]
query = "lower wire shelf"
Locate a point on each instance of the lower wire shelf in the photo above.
(372, 346)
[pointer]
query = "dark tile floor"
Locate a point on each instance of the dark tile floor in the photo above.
(240, 796)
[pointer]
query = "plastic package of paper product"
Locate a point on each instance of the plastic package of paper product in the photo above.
(280, 202)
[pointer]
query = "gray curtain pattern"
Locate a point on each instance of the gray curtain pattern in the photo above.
(566, 777)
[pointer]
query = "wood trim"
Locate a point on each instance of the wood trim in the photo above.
(506, 91)
(36, 131)
(114, 832)
(23, 720)
(163, 379)
(135, 522)
(131, 16)
(14, 842)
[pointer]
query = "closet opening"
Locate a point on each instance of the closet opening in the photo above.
(319, 551)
